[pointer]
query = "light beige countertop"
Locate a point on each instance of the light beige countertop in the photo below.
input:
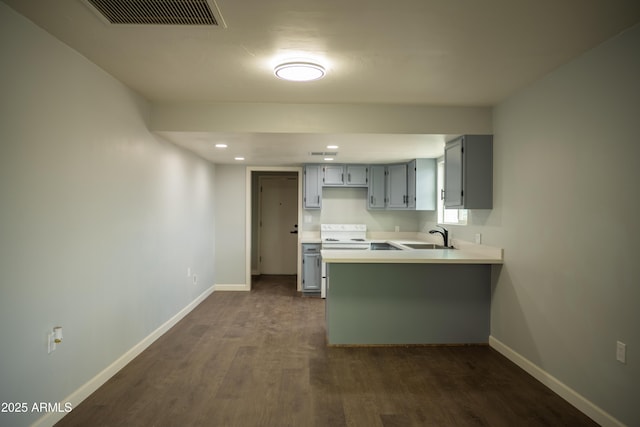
(421, 256)
(464, 253)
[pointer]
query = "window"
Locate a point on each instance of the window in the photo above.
(448, 216)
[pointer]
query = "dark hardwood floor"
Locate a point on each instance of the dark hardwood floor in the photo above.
(259, 359)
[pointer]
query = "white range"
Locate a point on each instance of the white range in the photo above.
(341, 236)
(344, 236)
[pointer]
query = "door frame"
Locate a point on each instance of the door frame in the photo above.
(250, 219)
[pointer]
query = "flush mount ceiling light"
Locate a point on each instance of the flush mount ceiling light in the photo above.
(299, 71)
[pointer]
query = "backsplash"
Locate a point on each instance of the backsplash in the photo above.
(349, 206)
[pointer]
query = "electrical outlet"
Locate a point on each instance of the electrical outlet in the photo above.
(188, 271)
(397, 228)
(478, 238)
(195, 279)
(621, 352)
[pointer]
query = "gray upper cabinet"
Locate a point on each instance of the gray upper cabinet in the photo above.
(401, 186)
(312, 187)
(376, 193)
(397, 197)
(422, 184)
(412, 186)
(345, 175)
(357, 175)
(333, 175)
(468, 172)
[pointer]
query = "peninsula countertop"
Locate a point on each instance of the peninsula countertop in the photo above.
(463, 253)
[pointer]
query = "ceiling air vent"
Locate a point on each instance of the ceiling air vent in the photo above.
(158, 12)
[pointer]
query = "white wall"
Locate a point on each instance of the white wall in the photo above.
(99, 219)
(566, 213)
(320, 118)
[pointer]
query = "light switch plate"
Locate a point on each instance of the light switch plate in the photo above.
(51, 344)
(621, 352)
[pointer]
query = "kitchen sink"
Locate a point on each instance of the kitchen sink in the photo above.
(384, 247)
(424, 246)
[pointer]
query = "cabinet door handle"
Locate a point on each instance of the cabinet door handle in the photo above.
(371, 199)
(442, 194)
(318, 199)
(318, 261)
(349, 177)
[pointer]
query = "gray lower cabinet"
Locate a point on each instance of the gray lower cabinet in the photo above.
(468, 172)
(311, 268)
(312, 198)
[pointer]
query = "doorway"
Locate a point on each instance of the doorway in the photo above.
(278, 224)
(256, 248)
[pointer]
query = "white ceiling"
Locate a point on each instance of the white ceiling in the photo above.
(411, 52)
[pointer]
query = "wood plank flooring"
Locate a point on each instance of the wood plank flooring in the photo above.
(259, 359)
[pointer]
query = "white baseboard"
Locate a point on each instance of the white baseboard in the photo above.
(237, 287)
(576, 399)
(93, 384)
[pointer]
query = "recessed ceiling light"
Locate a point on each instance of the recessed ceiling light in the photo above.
(332, 147)
(239, 158)
(221, 145)
(299, 71)
(328, 159)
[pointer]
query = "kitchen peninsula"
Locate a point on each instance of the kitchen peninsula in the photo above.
(399, 297)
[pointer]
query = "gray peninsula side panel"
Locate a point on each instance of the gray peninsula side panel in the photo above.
(373, 304)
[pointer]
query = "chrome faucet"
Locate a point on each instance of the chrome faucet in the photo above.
(444, 233)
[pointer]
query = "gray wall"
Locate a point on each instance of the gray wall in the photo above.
(99, 219)
(566, 205)
(231, 190)
(349, 205)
